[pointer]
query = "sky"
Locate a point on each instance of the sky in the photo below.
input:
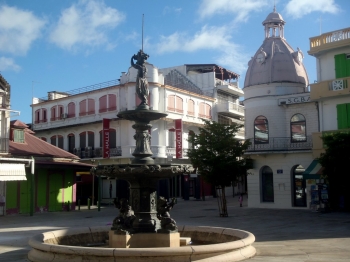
(50, 45)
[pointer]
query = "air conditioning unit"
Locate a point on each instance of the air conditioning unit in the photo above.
(64, 116)
(76, 151)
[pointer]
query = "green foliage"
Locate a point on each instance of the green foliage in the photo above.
(336, 159)
(217, 154)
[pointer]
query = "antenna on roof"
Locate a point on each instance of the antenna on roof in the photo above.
(274, 6)
(320, 25)
(142, 31)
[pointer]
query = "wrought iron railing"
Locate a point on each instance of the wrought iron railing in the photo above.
(171, 151)
(4, 145)
(96, 152)
(280, 144)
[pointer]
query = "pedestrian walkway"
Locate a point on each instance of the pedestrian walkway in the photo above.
(281, 235)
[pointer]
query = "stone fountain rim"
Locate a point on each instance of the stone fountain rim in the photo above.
(247, 238)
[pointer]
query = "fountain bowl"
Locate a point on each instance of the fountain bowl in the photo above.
(214, 244)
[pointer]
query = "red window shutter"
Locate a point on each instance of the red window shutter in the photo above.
(71, 109)
(91, 106)
(190, 107)
(112, 102)
(201, 110)
(179, 105)
(103, 104)
(37, 116)
(53, 113)
(60, 111)
(171, 103)
(44, 117)
(82, 108)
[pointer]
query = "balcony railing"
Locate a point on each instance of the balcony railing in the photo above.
(4, 145)
(171, 151)
(328, 39)
(96, 152)
(280, 144)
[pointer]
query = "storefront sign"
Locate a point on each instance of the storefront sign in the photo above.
(294, 100)
(178, 138)
(105, 133)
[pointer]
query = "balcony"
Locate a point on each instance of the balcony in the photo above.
(96, 152)
(171, 151)
(227, 87)
(330, 88)
(230, 109)
(330, 40)
(4, 145)
(279, 144)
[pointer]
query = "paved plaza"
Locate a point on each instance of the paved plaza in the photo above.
(281, 235)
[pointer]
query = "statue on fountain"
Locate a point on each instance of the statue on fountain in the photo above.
(141, 80)
(166, 222)
(123, 222)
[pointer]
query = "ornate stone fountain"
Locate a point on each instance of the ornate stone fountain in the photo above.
(143, 230)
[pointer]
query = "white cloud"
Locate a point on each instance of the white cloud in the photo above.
(208, 38)
(85, 24)
(18, 29)
(8, 64)
(238, 8)
(299, 8)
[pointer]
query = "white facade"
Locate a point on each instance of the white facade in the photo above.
(279, 121)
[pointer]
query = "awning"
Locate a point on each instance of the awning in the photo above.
(12, 172)
(314, 171)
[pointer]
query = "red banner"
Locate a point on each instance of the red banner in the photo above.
(105, 137)
(178, 137)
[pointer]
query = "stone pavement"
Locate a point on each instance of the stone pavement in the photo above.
(296, 235)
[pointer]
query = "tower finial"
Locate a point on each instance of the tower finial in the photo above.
(274, 6)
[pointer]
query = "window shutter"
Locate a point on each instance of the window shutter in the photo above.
(71, 109)
(341, 66)
(103, 104)
(82, 108)
(342, 116)
(91, 106)
(171, 102)
(179, 104)
(112, 102)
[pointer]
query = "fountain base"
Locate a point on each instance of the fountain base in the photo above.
(143, 240)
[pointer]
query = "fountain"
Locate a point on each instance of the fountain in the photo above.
(143, 230)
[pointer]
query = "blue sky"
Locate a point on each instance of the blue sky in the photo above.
(48, 45)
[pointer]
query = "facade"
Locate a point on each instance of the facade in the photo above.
(332, 95)
(279, 121)
(73, 120)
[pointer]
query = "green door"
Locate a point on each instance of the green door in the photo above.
(55, 195)
(24, 204)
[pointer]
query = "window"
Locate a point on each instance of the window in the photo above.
(175, 104)
(90, 139)
(267, 191)
(53, 113)
(107, 103)
(44, 114)
(37, 116)
(261, 130)
(71, 110)
(298, 128)
(342, 66)
(343, 115)
(190, 107)
(82, 108)
(57, 141)
(56, 112)
(18, 136)
(43, 138)
(204, 110)
(71, 143)
(91, 106)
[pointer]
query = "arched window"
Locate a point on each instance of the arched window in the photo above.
(71, 142)
(57, 141)
(82, 108)
(89, 142)
(44, 115)
(171, 103)
(190, 107)
(71, 110)
(53, 113)
(102, 104)
(175, 104)
(91, 106)
(204, 110)
(261, 130)
(267, 192)
(298, 128)
(37, 116)
(107, 103)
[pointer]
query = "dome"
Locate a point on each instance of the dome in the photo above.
(276, 61)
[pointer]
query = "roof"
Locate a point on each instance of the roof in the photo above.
(34, 146)
(220, 72)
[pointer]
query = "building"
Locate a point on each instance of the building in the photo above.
(280, 119)
(331, 91)
(73, 120)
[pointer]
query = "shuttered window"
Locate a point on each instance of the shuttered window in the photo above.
(112, 102)
(82, 108)
(171, 103)
(343, 115)
(190, 107)
(71, 110)
(103, 104)
(91, 106)
(342, 66)
(204, 110)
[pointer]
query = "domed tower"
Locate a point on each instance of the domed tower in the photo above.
(279, 118)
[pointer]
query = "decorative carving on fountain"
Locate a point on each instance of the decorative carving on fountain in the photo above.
(123, 223)
(166, 222)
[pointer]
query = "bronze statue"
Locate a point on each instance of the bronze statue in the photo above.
(123, 222)
(166, 222)
(141, 80)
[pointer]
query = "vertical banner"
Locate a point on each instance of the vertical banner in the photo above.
(105, 137)
(178, 137)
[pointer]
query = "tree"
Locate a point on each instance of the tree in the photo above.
(218, 156)
(336, 161)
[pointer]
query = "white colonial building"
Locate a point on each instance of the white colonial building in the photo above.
(279, 121)
(73, 120)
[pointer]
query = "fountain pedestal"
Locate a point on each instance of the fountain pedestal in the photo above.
(143, 240)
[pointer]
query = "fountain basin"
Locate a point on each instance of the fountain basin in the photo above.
(76, 244)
